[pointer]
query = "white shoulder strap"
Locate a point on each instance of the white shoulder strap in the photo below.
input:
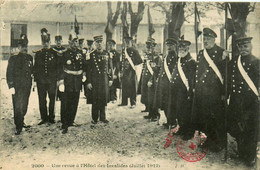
(166, 68)
(182, 75)
(213, 65)
(129, 60)
(246, 77)
(149, 67)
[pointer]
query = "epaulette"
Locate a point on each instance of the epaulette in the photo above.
(37, 51)
(59, 51)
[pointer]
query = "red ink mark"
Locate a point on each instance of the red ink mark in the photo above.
(170, 137)
(192, 146)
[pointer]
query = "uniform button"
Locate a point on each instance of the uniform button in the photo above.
(235, 61)
(197, 66)
(205, 75)
(234, 86)
(174, 78)
(233, 71)
(234, 65)
(177, 74)
(239, 91)
(207, 70)
(196, 75)
(213, 56)
(196, 81)
(234, 91)
(233, 80)
(233, 75)
(203, 81)
(242, 82)
(240, 87)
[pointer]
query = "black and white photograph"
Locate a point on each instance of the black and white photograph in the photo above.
(119, 85)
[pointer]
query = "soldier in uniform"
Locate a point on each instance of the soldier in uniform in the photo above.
(243, 115)
(180, 100)
(46, 69)
(71, 81)
(89, 50)
(19, 80)
(150, 76)
(115, 55)
(209, 92)
(99, 79)
(162, 90)
(131, 61)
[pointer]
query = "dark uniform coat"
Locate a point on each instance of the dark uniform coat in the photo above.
(19, 76)
(116, 67)
(99, 73)
(162, 89)
(243, 115)
(208, 104)
(129, 79)
(180, 99)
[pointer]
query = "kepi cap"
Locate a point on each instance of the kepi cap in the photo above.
(111, 40)
(23, 41)
(243, 40)
(209, 32)
(184, 43)
(98, 38)
(58, 37)
(171, 41)
(90, 42)
(151, 41)
(45, 36)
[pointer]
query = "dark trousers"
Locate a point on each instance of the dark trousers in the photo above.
(20, 104)
(98, 111)
(43, 90)
(112, 92)
(62, 107)
(125, 99)
(69, 107)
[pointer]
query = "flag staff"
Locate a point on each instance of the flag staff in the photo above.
(196, 29)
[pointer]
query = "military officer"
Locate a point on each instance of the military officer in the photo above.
(243, 112)
(99, 79)
(209, 92)
(150, 75)
(131, 62)
(71, 81)
(180, 100)
(89, 50)
(162, 89)
(46, 69)
(115, 55)
(19, 80)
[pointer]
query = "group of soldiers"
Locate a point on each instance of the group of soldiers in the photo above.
(215, 94)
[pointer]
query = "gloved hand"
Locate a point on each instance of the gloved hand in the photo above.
(12, 90)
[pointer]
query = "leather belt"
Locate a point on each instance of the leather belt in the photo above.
(79, 72)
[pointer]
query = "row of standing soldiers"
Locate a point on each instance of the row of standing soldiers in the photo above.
(215, 94)
(191, 93)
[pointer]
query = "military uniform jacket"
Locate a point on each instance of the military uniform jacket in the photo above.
(59, 54)
(19, 71)
(99, 73)
(46, 68)
(116, 67)
(180, 98)
(73, 67)
(154, 62)
(244, 104)
(207, 82)
(162, 88)
(129, 79)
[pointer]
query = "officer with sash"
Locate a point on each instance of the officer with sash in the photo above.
(243, 115)
(71, 81)
(151, 71)
(19, 80)
(162, 90)
(131, 61)
(209, 96)
(46, 71)
(180, 100)
(99, 79)
(115, 56)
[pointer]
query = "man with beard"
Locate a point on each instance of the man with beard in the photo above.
(19, 80)
(243, 112)
(115, 56)
(180, 99)
(131, 61)
(208, 116)
(99, 79)
(149, 78)
(162, 90)
(46, 70)
(71, 81)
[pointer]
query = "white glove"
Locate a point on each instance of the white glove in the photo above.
(110, 83)
(84, 79)
(149, 84)
(12, 90)
(89, 85)
(61, 88)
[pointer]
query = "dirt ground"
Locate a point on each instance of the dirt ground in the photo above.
(127, 142)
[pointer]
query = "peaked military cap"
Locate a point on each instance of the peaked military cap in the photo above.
(243, 40)
(151, 41)
(111, 40)
(45, 36)
(58, 37)
(23, 41)
(98, 38)
(184, 43)
(90, 42)
(209, 32)
(73, 36)
(171, 41)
